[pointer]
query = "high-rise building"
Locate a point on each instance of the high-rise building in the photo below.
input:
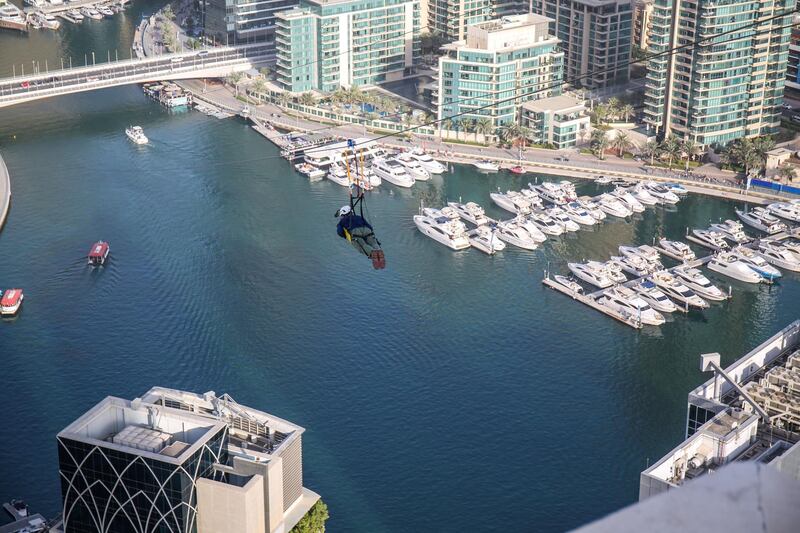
(724, 88)
(793, 71)
(326, 44)
(500, 65)
(642, 11)
(182, 462)
(242, 21)
(596, 37)
(450, 18)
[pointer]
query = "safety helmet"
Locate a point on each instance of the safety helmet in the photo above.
(345, 210)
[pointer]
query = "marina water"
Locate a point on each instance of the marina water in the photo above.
(450, 392)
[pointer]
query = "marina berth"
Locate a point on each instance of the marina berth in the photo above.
(485, 239)
(99, 253)
(393, 172)
(779, 255)
(451, 233)
(11, 302)
(512, 201)
(760, 219)
(677, 290)
(727, 264)
(472, 213)
(756, 263)
(710, 239)
(514, 234)
(785, 210)
(651, 294)
(598, 278)
(677, 250)
(626, 301)
(731, 230)
(695, 280)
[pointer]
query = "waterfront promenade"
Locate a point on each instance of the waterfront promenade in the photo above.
(5, 191)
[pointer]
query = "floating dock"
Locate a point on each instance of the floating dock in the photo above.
(591, 301)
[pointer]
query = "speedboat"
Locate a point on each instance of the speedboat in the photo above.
(484, 239)
(392, 171)
(779, 255)
(11, 302)
(785, 210)
(676, 188)
(99, 253)
(413, 167)
(678, 249)
(486, 165)
(760, 219)
(593, 209)
(757, 263)
(610, 269)
(471, 212)
(695, 280)
(578, 213)
(711, 239)
(515, 234)
(590, 275)
(551, 192)
(632, 264)
(647, 253)
(546, 224)
(427, 162)
(136, 134)
(561, 217)
(732, 230)
(661, 193)
(651, 294)
(628, 199)
(569, 283)
(629, 304)
(532, 229)
(678, 291)
(612, 206)
(517, 169)
(512, 201)
(641, 193)
(602, 180)
(451, 233)
(728, 264)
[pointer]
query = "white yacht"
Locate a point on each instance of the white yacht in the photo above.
(92, 13)
(427, 162)
(633, 264)
(661, 193)
(551, 192)
(561, 217)
(446, 211)
(641, 193)
(593, 209)
(451, 233)
(728, 264)
(336, 173)
(413, 167)
(485, 239)
(732, 230)
(779, 255)
(651, 294)
(75, 15)
(471, 212)
(785, 210)
(312, 172)
(610, 269)
(628, 199)
(546, 224)
(678, 291)
(49, 21)
(603, 180)
(647, 253)
(756, 263)
(569, 283)
(486, 165)
(533, 198)
(569, 190)
(695, 280)
(512, 201)
(760, 219)
(393, 172)
(590, 275)
(612, 206)
(532, 229)
(630, 304)
(792, 245)
(136, 134)
(678, 249)
(12, 17)
(105, 11)
(579, 214)
(676, 188)
(513, 233)
(711, 239)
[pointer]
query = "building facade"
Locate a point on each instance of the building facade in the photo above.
(596, 37)
(728, 87)
(450, 18)
(179, 462)
(500, 65)
(326, 44)
(242, 21)
(558, 121)
(642, 12)
(793, 70)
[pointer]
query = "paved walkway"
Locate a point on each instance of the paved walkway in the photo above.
(5, 191)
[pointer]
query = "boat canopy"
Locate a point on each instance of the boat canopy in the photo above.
(11, 297)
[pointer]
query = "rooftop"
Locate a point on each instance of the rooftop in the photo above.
(507, 33)
(554, 103)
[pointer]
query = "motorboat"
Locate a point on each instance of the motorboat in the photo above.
(651, 294)
(336, 173)
(569, 190)
(551, 192)
(630, 304)
(98, 254)
(513, 233)
(613, 206)
(785, 210)
(760, 219)
(546, 224)
(641, 193)
(484, 239)
(517, 169)
(695, 280)
(711, 239)
(12, 18)
(11, 302)
(392, 171)
(309, 170)
(678, 249)
(590, 275)
(677, 290)
(427, 162)
(610, 269)
(75, 15)
(628, 199)
(792, 245)
(569, 283)
(579, 214)
(512, 201)
(532, 229)
(105, 11)
(561, 217)
(486, 165)
(593, 209)
(602, 180)
(451, 233)
(727, 264)
(779, 255)
(446, 211)
(136, 134)
(533, 198)
(732, 230)
(647, 253)
(633, 264)
(471, 212)
(413, 167)
(661, 193)
(92, 13)
(676, 188)
(757, 263)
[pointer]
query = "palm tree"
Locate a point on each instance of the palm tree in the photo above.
(690, 150)
(621, 142)
(599, 143)
(601, 113)
(671, 147)
(408, 119)
(259, 85)
(613, 107)
(652, 150)
(484, 127)
(447, 125)
(762, 145)
(307, 99)
(234, 78)
(626, 112)
(521, 137)
(283, 99)
(509, 131)
(787, 172)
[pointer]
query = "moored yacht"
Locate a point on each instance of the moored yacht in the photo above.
(484, 239)
(695, 280)
(579, 214)
(625, 196)
(661, 193)
(757, 263)
(647, 253)
(532, 229)
(678, 249)
(336, 173)
(451, 233)
(105, 11)
(726, 263)
(779, 255)
(630, 304)
(427, 162)
(760, 219)
(446, 211)
(785, 210)
(569, 283)
(641, 193)
(546, 224)
(486, 165)
(676, 188)
(651, 294)
(513, 233)
(92, 13)
(136, 134)
(612, 270)
(569, 190)
(678, 291)
(561, 217)
(711, 239)
(311, 171)
(413, 167)
(633, 264)
(612, 206)
(471, 212)
(392, 171)
(533, 197)
(75, 15)
(551, 192)
(11, 302)
(590, 275)
(603, 180)
(731, 230)
(593, 209)
(512, 201)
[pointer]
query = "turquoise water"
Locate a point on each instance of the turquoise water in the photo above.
(450, 392)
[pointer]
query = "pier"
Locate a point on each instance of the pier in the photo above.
(591, 301)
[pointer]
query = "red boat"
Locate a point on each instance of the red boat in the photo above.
(11, 302)
(99, 253)
(517, 170)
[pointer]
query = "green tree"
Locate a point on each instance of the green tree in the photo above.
(314, 519)
(787, 172)
(408, 120)
(626, 112)
(601, 113)
(233, 79)
(265, 71)
(599, 143)
(690, 150)
(259, 86)
(672, 148)
(446, 125)
(621, 143)
(652, 150)
(283, 99)
(613, 107)
(484, 127)
(307, 99)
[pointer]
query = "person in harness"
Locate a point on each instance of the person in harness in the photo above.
(360, 234)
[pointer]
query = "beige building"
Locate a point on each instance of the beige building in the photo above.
(642, 13)
(560, 121)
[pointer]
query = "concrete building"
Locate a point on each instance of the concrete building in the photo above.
(596, 37)
(326, 44)
(793, 70)
(450, 18)
(642, 13)
(728, 88)
(183, 462)
(500, 65)
(242, 21)
(560, 121)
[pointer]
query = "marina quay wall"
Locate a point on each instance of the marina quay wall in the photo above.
(5, 191)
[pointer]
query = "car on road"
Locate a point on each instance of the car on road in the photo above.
(795, 118)
(176, 60)
(202, 53)
(787, 107)
(562, 158)
(25, 84)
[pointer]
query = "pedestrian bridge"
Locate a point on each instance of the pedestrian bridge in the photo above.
(207, 63)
